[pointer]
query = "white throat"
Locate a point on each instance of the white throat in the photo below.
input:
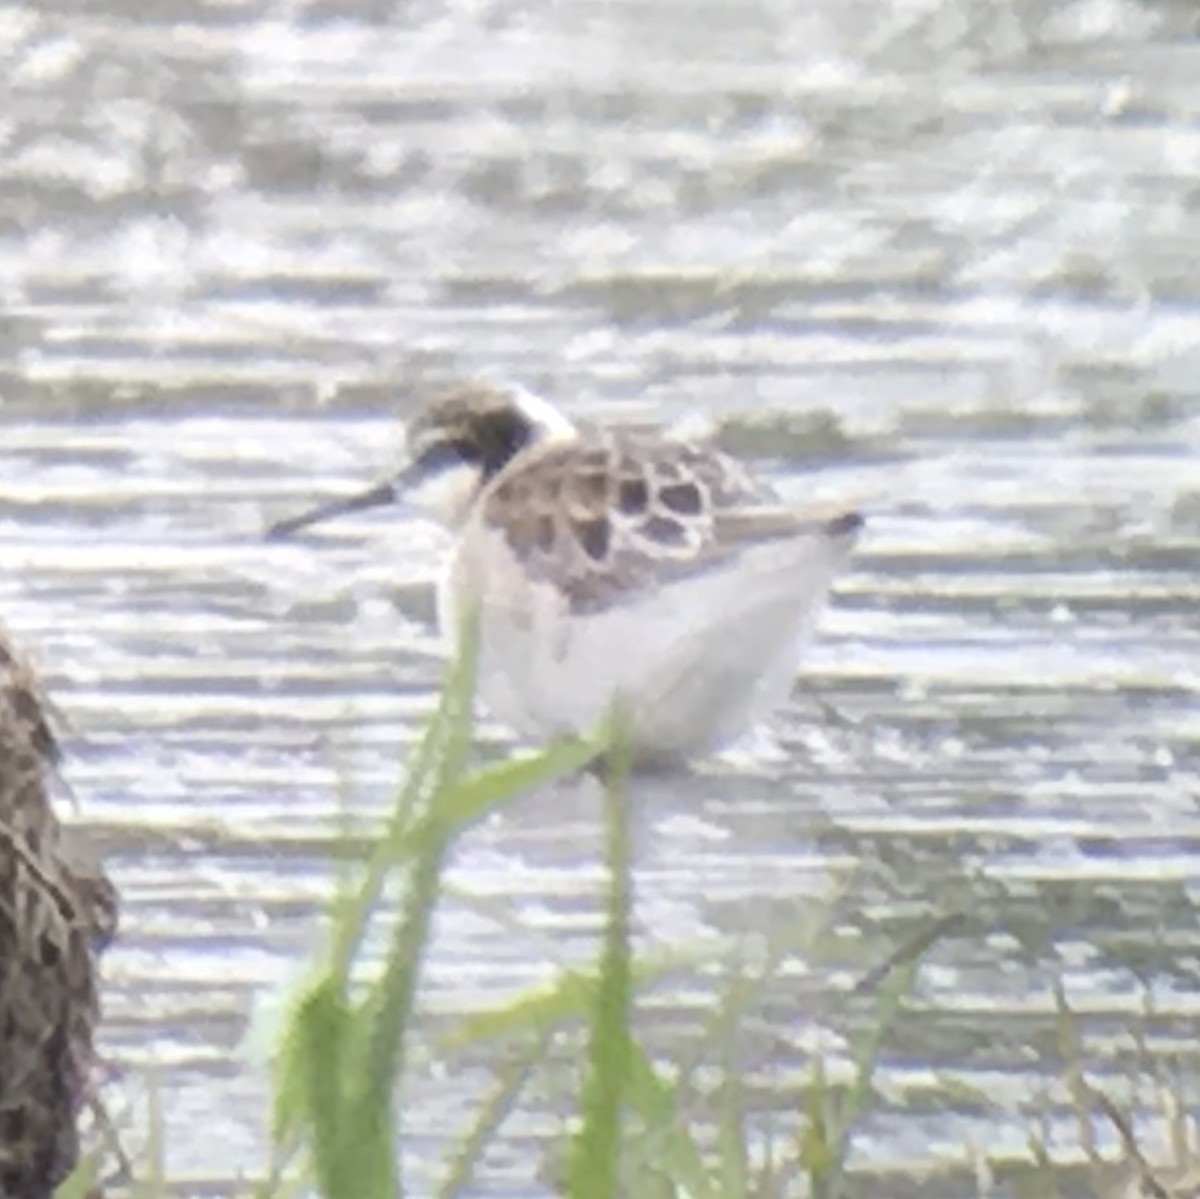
(448, 495)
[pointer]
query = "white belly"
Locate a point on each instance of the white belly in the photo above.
(696, 661)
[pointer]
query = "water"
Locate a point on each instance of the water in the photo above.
(937, 258)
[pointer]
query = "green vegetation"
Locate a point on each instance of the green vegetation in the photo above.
(1168, 1170)
(343, 1050)
(639, 1127)
(338, 1118)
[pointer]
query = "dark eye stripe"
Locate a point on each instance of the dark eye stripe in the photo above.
(440, 454)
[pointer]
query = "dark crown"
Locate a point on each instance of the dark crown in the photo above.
(475, 425)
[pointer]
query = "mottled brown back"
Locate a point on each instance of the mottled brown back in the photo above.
(605, 516)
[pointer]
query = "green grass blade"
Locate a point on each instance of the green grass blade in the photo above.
(866, 1055)
(825, 1140)
(594, 1165)
(290, 1107)
(322, 1031)
(669, 1140)
(477, 794)
(569, 995)
(668, 1144)
(462, 802)
(337, 1061)
(437, 761)
(816, 1151)
(82, 1180)
(386, 1015)
(389, 1008)
(353, 911)
(731, 1130)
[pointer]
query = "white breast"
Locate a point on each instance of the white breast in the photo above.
(697, 660)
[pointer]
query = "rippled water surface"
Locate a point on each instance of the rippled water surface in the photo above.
(938, 258)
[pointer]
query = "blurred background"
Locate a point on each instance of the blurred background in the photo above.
(939, 257)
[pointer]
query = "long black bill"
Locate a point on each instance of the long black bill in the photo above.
(383, 493)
